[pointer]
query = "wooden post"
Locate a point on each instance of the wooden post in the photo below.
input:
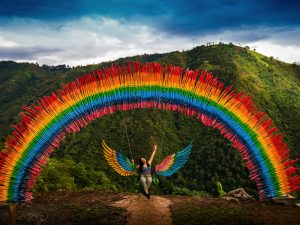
(12, 209)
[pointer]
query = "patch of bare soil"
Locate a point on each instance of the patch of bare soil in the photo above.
(154, 211)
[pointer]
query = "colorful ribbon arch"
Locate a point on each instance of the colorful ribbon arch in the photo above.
(151, 85)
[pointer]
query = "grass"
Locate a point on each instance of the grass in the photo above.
(186, 191)
(259, 57)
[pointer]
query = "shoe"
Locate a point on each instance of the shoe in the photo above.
(148, 196)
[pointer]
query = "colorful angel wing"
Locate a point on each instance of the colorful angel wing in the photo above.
(120, 163)
(173, 162)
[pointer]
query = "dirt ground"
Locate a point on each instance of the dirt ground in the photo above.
(69, 208)
(213, 211)
(99, 207)
(147, 212)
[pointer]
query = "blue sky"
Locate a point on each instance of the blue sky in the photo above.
(80, 32)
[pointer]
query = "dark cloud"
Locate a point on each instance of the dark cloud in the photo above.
(79, 31)
(26, 53)
(179, 17)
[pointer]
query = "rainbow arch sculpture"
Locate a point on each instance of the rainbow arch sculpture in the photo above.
(118, 88)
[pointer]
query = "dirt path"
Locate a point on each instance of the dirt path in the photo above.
(154, 211)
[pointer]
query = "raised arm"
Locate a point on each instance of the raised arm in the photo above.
(153, 154)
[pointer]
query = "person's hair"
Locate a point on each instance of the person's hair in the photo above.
(141, 164)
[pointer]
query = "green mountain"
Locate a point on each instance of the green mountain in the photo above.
(79, 163)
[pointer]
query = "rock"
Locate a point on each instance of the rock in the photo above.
(240, 194)
(231, 199)
(285, 200)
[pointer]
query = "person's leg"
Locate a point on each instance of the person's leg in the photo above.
(144, 183)
(149, 181)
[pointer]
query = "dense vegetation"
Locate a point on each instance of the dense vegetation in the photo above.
(79, 163)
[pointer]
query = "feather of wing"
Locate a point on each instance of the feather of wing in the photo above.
(120, 163)
(173, 162)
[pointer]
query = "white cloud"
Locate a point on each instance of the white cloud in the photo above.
(96, 39)
(6, 43)
(288, 53)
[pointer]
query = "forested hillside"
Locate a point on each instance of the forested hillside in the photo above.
(79, 162)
